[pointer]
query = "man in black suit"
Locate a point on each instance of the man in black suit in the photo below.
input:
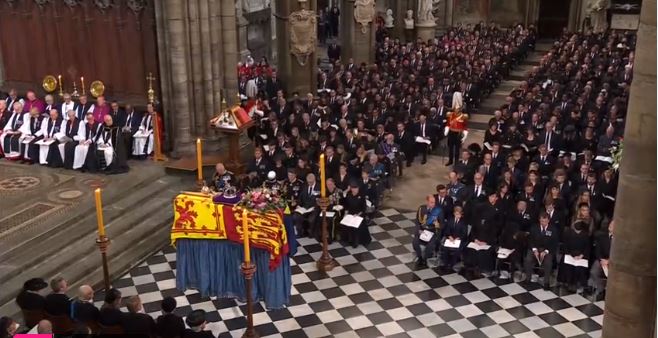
(406, 142)
(444, 201)
(83, 309)
(490, 172)
(130, 126)
(118, 114)
(546, 162)
(136, 321)
(169, 324)
(423, 130)
(58, 303)
(307, 200)
(552, 140)
(273, 85)
(476, 192)
(332, 162)
(196, 320)
(258, 166)
(466, 166)
(602, 261)
(543, 243)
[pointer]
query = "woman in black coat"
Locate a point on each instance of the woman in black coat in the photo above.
(577, 245)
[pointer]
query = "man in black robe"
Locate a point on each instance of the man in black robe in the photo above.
(111, 148)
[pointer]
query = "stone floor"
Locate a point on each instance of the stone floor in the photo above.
(377, 292)
(420, 180)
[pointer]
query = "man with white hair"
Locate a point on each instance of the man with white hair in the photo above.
(67, 105)
(11, 133)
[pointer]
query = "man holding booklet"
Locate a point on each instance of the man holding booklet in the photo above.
(428, 225)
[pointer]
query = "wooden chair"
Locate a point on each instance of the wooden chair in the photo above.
(62, 324)
(32, 317)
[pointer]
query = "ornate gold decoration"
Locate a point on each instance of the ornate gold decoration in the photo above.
(364, 13)
(97, 88)
(49, 83)
(150, 93)
(303, 34)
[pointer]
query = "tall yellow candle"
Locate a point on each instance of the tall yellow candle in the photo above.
(99, 213)
(245, 234)
(323, 181)
(82, 83)
(199, 163)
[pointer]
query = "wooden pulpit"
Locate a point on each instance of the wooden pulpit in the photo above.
(233, 122)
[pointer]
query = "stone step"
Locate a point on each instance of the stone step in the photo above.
(152, 201)
(62, 233)
(127, 249)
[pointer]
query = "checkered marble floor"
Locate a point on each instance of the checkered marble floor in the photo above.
(376, 292)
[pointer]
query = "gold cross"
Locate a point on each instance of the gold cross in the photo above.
(149, 79)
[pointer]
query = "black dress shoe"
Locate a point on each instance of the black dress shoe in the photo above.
(547, 287)
(449, 163)
(423, 162)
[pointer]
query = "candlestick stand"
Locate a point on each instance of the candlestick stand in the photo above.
(248, 270)
(103, 242)
(326, 262)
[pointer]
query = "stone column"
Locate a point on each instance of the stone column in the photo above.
(630, 305)
(357, 40)
(296, 77)
(449, 13)
(177, 49)
(197, 47)
(229, 50)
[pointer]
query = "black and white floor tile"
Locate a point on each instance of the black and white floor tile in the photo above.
(376, 292)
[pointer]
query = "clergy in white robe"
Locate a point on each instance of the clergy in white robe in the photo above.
(90, 132)
(31, 133)
(50, 130)
(11, 133)
(68, 139)
(143, 138)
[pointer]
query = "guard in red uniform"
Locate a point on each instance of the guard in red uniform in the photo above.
(456, 130)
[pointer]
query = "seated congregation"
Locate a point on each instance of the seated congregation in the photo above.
(539, 195)
(54, 312)
(79, 135)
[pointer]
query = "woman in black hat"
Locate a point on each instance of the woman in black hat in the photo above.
(30, 300)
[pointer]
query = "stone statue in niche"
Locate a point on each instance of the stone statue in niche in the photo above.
(598, 13)
(409, 20)
(364, 13)
(409, 26)
(389, 20)
(425, 16)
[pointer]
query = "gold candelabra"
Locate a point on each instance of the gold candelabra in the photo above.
(150, 93)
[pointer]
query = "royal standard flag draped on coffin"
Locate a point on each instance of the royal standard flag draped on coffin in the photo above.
(196, 216)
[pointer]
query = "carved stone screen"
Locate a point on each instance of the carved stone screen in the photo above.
(113, 41)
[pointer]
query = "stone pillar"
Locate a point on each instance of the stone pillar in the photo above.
(229, 50)
(177, 50)
(357, 40)
(449, 13)
(296, 77)
(198, 56)
(630, 305)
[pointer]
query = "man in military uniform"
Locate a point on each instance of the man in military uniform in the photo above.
(292, 187)
(223, 178)
(259, 166)
(428, 218)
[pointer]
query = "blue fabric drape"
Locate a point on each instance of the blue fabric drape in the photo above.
(213, 268)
